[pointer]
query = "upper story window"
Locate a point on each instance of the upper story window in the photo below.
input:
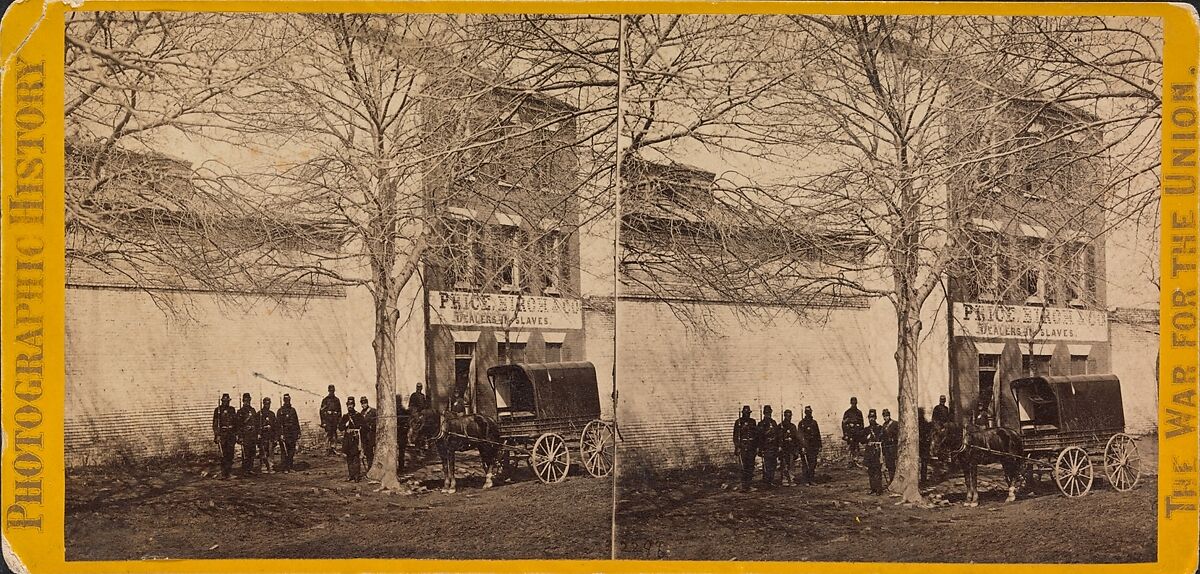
(554, 257)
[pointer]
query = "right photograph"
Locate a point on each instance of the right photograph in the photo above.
(888, 288)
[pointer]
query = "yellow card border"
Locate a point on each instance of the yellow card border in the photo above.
(31, 49)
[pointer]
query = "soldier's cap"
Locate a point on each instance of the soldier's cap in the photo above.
(224, 396)
(942, 397)
(808, 409)
(871, 414)
(854, 399)
(245, 395)
(287, 396)
(887, 413)
(266, 399)
(349, 400)
(331, 387)
(766, 408)
(363, 400)
(787, 412)
(745, 407)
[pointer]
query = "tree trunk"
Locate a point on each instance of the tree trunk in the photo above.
(387, 448)
(908, 463)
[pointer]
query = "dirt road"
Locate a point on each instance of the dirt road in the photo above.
(171, 511)
(691, 516)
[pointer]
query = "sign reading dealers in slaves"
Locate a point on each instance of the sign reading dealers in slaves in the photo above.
(504, 311)
(991, 321)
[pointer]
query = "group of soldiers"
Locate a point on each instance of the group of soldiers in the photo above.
(779, 445)
(259, 432)
(882, 441)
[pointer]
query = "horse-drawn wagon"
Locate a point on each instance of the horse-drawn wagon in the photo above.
(1070, 424)
(540, 412)
(545, 411)
(1062, 425)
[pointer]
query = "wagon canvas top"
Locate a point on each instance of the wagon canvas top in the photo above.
(559, 389)
(1082, 402)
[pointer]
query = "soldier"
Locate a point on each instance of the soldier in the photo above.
(872, 437)
(768, 445)
(289, 430)
(891, 443)
(268, 433)
(983, 415)
(810, 437)
(331, 416)
(789, 443)
(417, 401)
(745, 445)
(225, 433)
(852, 424)
(247, 433)
(924, 434)
(370, 420)
(351, 428)
(941, 413)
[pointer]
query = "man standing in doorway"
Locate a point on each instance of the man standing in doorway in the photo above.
(289, 430)
(331, 415)
(852, 425)
(745, 445)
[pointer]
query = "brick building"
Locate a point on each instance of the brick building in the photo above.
(151, 348)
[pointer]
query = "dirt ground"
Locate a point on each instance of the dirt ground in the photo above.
(171, 510)
(695, 516)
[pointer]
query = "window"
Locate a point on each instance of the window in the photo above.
(463, 253)
(1079, 364)
(1079, 275)
(511, 352)
(554, 352)
(506, 258)
(554, 255)
(1033, 286)
(1035, 365)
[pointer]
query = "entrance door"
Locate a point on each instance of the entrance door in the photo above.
(464, 383)
(985, 406)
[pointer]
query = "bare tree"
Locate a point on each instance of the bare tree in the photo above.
(372, 132)
(901, 139)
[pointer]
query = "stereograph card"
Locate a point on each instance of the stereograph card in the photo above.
(542, 286)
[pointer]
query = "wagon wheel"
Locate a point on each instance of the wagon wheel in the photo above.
(550, 458)
(596, 448)
(1073, 472)
(1122, 464)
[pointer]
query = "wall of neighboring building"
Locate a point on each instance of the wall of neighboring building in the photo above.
(1134, 348)
(600, 329)
(683, 374)
(144, 382)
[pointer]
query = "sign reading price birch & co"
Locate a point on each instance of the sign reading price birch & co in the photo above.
(991, 321)
(504, 311)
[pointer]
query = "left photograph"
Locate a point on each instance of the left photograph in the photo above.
(339, 285)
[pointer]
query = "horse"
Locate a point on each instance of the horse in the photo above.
(966, 446)
(453, 433)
